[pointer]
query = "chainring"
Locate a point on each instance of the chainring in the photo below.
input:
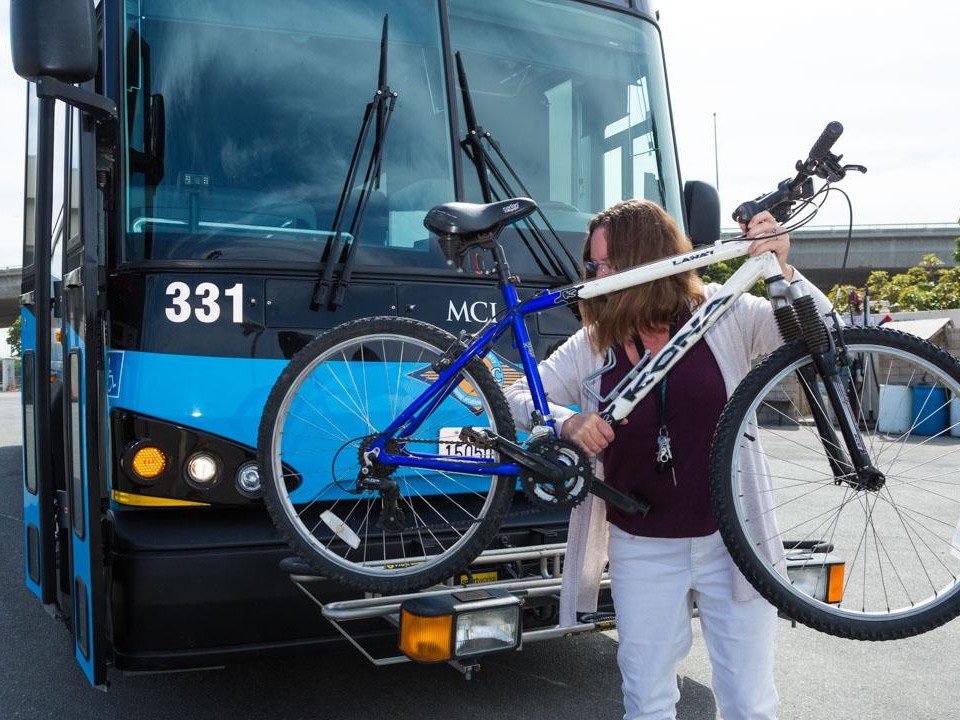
(567, 492)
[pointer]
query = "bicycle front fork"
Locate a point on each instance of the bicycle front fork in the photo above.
(832, 366)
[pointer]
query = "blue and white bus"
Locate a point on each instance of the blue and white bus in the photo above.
(206, 162)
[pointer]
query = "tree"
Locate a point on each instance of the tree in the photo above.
(13, 338)
(956, 251)
(929, 285)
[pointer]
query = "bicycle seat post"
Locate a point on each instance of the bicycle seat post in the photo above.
(500, 260)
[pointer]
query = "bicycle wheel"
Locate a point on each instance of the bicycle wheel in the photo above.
(340, 389)
(785, 516)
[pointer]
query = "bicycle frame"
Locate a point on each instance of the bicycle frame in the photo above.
(405, 425)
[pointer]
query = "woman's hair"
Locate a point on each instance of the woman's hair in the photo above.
(638, 231)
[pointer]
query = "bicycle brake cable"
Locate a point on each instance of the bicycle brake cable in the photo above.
(846, 250)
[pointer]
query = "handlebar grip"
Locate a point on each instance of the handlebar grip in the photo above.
(826, 140)
(777, 202)
(746, 211)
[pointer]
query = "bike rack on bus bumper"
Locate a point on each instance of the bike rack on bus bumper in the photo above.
(387, 607)
(550, 557)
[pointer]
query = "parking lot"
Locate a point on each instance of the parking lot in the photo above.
(567, 679)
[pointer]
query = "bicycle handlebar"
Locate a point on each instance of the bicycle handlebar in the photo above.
(819, 162)
(826, 140)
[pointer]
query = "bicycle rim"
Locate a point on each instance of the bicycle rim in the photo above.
(348, 391)
(900, 543)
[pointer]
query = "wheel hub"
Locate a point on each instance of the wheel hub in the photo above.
(869, 478)
(375, 470)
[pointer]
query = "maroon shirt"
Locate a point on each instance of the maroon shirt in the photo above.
(695, 397)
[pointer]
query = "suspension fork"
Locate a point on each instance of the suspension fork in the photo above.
(831, 364)
(797, 317)
(782, 296)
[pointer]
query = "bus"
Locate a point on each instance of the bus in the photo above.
(228, 180)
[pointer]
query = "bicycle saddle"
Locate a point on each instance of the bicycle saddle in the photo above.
(460, 218)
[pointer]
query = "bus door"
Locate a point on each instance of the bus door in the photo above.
(36, 319)
(84, 379)
(62, 494)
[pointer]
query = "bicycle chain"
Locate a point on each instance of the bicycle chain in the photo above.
(466, 523)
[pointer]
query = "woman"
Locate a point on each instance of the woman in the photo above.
(660, 564)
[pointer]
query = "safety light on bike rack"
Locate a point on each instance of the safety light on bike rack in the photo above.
(464, 624)
(819, 576)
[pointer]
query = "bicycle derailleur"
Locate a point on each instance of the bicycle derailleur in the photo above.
(375, 476)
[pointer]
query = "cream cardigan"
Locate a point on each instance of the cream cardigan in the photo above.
(745, 332)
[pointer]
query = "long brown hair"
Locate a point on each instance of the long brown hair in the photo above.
(638, 231)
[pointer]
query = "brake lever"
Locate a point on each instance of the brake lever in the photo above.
(831, 170)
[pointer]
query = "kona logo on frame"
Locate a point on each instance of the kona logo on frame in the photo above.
(694, 328)
(480, 311)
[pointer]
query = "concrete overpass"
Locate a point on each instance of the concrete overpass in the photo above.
(9, 296)
(817, 251)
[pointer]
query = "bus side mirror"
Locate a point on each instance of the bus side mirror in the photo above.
(53, 38)
(703, 212)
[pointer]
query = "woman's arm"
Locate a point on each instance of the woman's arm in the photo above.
(561, 375)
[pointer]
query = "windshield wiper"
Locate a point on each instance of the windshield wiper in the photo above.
(473, 147)
(377, 113)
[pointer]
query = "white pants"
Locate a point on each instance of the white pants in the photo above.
(654, 584)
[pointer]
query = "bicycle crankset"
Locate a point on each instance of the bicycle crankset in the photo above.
(575, 477)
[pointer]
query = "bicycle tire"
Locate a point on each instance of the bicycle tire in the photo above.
(343, 386)
(900, 542)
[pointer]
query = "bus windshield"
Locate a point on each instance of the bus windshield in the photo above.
(241, 122)
(583, 90)
(242, 119)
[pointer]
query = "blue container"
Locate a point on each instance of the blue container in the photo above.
(930, 410)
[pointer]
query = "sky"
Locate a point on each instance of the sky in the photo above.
(773, 74)
(776, 73)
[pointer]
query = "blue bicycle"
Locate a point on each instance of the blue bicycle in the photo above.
(390, 456)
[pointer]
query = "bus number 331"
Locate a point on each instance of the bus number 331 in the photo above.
(207, 300)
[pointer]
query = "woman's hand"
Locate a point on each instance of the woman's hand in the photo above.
(768, 235)
(589, 431)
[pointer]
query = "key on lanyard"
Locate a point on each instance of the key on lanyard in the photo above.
(664, 453)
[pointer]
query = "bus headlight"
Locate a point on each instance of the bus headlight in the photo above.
(203, 470)
(248, 480)
(468, 623)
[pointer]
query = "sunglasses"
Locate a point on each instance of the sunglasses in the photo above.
(595, 268)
